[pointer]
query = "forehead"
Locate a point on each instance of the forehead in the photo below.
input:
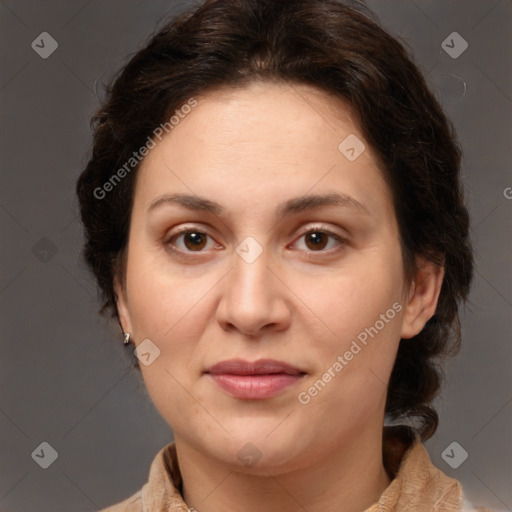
(275, 117)
(263, 141)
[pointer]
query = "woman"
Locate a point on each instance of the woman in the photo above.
(273, 213)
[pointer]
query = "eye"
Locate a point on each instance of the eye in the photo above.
(318, 239)
(193, 240)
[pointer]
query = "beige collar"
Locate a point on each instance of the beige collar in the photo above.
(417, 485)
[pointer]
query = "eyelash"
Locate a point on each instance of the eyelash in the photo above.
(315, 229)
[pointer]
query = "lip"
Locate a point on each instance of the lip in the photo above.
(254, 380)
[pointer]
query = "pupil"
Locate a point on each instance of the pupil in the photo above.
(317, 240)
(194, 240)
(315, 237)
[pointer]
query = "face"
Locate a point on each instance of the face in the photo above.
(281, 245)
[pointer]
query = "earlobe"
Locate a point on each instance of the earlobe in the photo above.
(122, 307)
(422, 297)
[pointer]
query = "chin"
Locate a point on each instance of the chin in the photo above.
(254, 451)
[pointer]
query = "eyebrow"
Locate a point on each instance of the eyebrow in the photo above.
(289, 207)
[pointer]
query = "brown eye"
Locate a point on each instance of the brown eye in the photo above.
(316, 240)
(320, 240)
(194, 241)
(190, 240)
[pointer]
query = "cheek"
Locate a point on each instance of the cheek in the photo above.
(162, 298)
(358, 314)
(353, 299)
(173, 310)
(167, 309)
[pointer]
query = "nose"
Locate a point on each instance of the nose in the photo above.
(254, 300)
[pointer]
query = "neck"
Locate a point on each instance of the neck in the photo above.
(351, 477)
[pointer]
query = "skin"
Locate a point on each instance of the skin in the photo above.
(249, 150)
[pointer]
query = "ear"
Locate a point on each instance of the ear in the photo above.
(422, 298)
(122, 306)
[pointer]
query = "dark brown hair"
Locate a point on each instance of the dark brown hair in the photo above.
(340, 49)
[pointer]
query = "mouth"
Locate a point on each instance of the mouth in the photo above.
(256, 380)
(259, 367)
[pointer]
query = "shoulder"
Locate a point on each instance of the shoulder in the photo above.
(416, 480)
(159, 488)
(468, 507)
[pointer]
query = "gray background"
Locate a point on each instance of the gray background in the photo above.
(65, 377)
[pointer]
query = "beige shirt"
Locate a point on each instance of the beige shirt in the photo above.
(416, 486)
